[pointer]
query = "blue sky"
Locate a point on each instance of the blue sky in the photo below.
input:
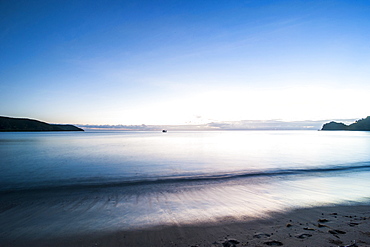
(184, 62)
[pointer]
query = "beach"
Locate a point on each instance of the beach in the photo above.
(136, 123)
(340, 225)
(245, 188)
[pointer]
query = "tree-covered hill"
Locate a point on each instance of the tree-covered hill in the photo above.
(359, 125)
(24, 124)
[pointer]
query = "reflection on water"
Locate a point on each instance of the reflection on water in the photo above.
(35, 159)
(53, 161)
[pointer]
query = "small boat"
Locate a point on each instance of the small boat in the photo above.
(164, 131)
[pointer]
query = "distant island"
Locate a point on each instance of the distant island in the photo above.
(359, 125)
(8, 124)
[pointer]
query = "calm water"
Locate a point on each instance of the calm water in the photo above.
(65, 183)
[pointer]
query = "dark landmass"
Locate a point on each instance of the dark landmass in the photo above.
(359, 125)
(334, 126)
(23, 124)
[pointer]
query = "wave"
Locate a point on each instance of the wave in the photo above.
(106, 183)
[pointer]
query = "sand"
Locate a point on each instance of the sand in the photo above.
(340, 225)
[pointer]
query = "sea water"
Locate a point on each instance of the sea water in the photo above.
(63, 183)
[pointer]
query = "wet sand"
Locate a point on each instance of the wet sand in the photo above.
(341, 225)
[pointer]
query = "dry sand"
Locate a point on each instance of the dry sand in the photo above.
(319, 226)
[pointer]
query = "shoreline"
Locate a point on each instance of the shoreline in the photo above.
(338, 225)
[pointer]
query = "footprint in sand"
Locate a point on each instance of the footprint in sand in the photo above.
(308, 229)
(304, 235)
(322, 220)
(261, 235)
(230, 243)
(353, 224)
(273, 243)
(337, 232)
(321, 225)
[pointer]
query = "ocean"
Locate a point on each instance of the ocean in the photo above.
(64, 183)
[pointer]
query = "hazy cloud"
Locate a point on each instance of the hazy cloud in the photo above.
(225, 125)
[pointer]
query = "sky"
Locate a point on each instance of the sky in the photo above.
(184, 62)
